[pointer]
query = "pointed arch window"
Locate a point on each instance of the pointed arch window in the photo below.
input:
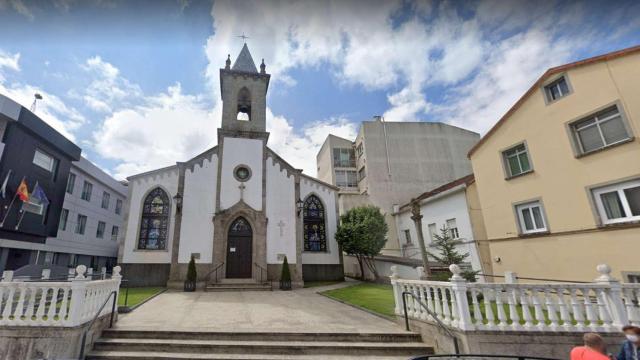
(154, 223)
(244, 104)
(314, 227)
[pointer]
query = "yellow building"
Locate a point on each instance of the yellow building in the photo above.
(558, 175)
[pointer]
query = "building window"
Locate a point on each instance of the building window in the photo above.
(453, 228)
(433, 231)
(344, 157)
(64, 216)
(155, 221)
(531, 217)
(100, 230)
(360, 150)
(81, 224)
(242, 173)
(362, 173)
(618, 203)
(114, 233)
(71, 183)
(105, 199)
(346, 179)
(598, 131)
(516, 160)
(44, 161)
(557, 89)
(314, 225)
(407, 236)
(118, 206)
(87, 188)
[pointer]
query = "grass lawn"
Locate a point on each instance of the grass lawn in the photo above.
(312, 284)
(137, 295)
(375, 297)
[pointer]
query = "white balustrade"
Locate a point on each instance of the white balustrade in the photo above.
(604, 305)
(64, 303)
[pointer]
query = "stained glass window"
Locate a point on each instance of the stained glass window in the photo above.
(155, 221)
(314, 225)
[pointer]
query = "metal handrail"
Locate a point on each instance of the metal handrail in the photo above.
(208, 276)
(433, 315)
(113, 310)
(262, 271)
(481, 356)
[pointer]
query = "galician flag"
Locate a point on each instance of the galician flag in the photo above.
(23, 191)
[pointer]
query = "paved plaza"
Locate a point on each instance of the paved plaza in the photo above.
(274, 311)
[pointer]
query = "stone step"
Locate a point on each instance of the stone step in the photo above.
(238, 287)
(122, 355)
(261, 347)
(260, 336)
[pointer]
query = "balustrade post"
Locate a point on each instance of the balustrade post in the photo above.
(46, 274)
(459, 287)
(71, 274)
(103, 272)
(78, 293)
(612, 296)
(510, 277)
(7, 276)
(397, 289)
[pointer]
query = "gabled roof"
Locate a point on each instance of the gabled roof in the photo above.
(550, 72)
(244, 62)
(466, 180)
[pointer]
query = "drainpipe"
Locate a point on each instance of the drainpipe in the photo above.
(386, 143)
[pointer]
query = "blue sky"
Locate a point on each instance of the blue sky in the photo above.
(135, 84)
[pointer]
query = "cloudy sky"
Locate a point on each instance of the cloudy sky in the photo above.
(135, 84)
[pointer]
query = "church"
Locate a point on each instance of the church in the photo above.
(238, 208)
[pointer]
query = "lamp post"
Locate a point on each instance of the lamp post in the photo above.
(178, 200)
(417, 220)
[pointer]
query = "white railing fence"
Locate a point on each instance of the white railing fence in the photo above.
(604, 305)
(55, 303)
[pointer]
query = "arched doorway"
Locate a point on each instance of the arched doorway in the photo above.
(239, 249)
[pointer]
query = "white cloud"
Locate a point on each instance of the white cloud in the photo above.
(108, 90)
(168, 127)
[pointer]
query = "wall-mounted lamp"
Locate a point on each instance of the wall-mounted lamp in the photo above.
(178, 199)
(299, 206)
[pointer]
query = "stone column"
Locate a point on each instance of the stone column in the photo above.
(297, 278)
(174, 272)
(417, 220)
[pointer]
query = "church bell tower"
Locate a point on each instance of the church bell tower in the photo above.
(244, 94)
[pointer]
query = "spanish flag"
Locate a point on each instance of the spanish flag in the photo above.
(23, 191)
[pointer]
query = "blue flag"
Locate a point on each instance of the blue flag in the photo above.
(39, 195)
(37, 202)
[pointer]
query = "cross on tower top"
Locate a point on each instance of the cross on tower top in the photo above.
(243, 37)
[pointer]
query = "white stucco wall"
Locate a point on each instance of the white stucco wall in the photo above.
(328, 198)
(199, 204)
(239, 151)
(281, 207)
(449, 205)
(167, 179)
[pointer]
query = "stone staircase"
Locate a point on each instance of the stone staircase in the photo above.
(238, 285)
(150, 344)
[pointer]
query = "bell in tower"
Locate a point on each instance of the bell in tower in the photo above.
(244, 94)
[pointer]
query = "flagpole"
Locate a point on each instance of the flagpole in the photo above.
(11, 204)
(23, 212)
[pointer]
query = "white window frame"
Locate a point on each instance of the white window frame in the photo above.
(114, 236)
(407, 236)
(51, 160)
(505, 159)
(453, 230)
(547, 93)
(432, 234)
(521, 223)
(619, 188)
(598, 124)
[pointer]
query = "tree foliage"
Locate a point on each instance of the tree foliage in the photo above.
(448, 253)
(192, 275)
(362, 233)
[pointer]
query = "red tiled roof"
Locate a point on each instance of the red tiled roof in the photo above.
(467, 180)
(538, 83)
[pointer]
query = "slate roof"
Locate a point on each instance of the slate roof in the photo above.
(467, 180)
(244, 62)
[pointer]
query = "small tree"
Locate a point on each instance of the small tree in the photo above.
(192, 275)
(362, 233)
(448, 253)
(285, 276)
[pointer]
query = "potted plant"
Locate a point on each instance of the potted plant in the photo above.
(285, 277)
(192, 275)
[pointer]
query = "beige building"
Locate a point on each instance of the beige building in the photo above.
(391, 162)
(559, 175)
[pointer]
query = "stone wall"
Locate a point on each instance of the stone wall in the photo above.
(322, 272)
(26, 343)
(522, 343)
(145, 274)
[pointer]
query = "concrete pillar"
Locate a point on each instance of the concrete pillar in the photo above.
(417, 220)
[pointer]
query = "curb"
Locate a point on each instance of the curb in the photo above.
(389, 318)
(128, 309)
